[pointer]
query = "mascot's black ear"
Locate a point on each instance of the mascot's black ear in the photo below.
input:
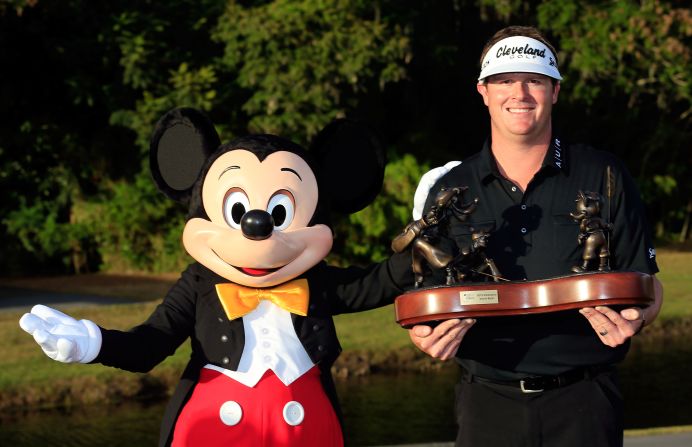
(352, 161)
(182, 141)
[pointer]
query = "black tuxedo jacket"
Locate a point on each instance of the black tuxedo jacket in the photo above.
(192, 309)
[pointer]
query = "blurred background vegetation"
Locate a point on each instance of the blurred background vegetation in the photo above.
(82, 84)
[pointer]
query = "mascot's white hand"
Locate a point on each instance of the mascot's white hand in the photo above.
(426, 182)
(62, 337)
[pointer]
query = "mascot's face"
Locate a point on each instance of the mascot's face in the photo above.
(257, 234)
(259, 215)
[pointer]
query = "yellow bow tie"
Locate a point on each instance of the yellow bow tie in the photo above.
(239, 300)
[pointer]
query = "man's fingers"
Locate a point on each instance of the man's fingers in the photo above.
(449, 350)
(448, 325)
(610, 326)
(599, 322)
(455, 337)
(596, 318)
(421, 330)
(438, 331)
(632, 314)
(441, 341)
(624, 328)
(613, 316)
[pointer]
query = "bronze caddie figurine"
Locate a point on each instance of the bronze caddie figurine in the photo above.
(593, 231)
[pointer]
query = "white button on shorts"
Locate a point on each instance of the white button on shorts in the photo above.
(230, 413)
(293, 413)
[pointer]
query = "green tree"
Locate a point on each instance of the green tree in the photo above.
(83, 189)
(87, 82)
(366, 236)
(306, 62)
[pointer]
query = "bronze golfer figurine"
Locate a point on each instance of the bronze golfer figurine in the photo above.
(424, 233)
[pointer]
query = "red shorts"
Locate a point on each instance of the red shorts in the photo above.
(223, 412)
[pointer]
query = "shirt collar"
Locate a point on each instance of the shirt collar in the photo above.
(488, 165)
(555, 158)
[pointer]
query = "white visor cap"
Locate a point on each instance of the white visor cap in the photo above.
(519, 54)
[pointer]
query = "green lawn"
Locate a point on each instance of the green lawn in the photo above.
(676, 276)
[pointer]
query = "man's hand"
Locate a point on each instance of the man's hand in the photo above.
(614, 328)
(442, 341)
(61, 337)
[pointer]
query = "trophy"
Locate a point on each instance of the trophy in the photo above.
(474, 287)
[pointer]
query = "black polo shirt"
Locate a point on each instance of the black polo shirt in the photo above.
(534, 237)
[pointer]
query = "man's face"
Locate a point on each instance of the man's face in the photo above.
(520, 104)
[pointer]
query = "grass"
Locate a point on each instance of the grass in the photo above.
(659, 431)
(27, 375)
(676, 277)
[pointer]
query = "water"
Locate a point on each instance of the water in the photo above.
(378, 410)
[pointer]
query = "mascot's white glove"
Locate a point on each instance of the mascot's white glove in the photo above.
(426, 182)
(62, 337)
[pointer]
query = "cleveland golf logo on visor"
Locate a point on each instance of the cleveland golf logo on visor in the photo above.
(519, 54)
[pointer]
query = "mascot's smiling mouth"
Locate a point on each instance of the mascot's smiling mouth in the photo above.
(256, 272)
(249, 270)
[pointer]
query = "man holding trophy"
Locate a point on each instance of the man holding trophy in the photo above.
(543, 379)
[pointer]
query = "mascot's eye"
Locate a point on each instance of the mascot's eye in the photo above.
(281, 206)
(235, 205)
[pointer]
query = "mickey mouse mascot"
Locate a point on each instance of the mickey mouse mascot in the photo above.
(258, 303)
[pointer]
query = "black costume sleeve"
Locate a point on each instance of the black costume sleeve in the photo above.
(145, 346)
(354, 289)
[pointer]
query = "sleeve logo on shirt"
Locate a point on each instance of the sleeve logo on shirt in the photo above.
(557, 153)
(652, 253)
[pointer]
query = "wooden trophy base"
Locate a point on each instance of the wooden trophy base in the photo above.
(472, 300)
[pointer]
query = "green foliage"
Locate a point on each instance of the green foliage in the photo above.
(131, 236)
(43, 222)
(88, 81)
(367, 235)
(665, 183)
(304, 61)
(165, 76)
(503, 9)
(43, 232)
(191, 88)
(639, 48)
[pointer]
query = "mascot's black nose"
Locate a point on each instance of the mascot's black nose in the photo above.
(257, 225)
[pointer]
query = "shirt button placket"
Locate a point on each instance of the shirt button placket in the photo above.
(524, 217)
